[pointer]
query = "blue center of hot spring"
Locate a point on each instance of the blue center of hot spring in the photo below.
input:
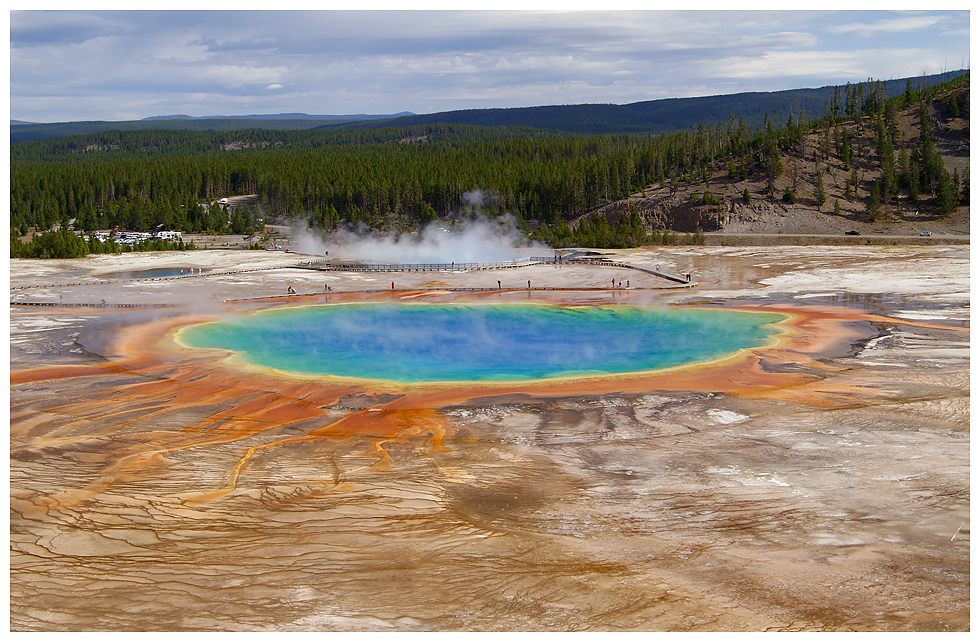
(427, 342)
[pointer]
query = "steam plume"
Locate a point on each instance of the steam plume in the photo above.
(470, 240)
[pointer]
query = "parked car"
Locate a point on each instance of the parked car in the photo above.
(926, 234)
(852, 233)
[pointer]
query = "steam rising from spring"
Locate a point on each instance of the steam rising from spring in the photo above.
(474, 238)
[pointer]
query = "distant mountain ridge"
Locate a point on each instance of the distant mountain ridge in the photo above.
(23, 132)
(655, 116)
(287, 116)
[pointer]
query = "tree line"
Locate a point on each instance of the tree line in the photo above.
(406, 181)
(403, 178)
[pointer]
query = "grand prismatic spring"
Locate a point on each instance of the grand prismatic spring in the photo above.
(428, 343)
(811, 477)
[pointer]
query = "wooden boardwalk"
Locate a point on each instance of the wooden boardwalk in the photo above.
(324, 265)
(328, 265)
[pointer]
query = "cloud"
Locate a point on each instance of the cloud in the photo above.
(894, 25)
(818, 64)
(94, 65)
(239, 76)
(52, 29)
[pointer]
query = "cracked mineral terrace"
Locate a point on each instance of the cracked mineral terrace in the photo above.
(820, 484)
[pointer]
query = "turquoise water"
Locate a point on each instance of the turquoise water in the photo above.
(429, 342)
(154, 273)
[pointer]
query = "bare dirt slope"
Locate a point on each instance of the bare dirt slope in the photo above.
(663, 208)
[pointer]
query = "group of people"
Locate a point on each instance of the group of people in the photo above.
(615, 284)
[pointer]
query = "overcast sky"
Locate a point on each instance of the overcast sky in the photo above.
(96, 65)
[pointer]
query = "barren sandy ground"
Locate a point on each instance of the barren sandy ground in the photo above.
(820, 486)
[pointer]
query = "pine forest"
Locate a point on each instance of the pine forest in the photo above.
(403, 178)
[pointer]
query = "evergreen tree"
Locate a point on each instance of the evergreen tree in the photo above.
(873, 203)
(907, 97)
(889, 174)
(913, 180)
(903, 166)
(773, 164)
(947, 194)
(891, 121)
(954, 107)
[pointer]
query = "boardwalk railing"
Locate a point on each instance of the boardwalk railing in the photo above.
(664, 275)
(174, 277)
(324, 265)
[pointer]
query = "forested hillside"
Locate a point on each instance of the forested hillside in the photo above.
(899, 166)
(21, 131)
(401, 178)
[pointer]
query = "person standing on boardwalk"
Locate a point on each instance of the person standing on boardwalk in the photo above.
(498, 284)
